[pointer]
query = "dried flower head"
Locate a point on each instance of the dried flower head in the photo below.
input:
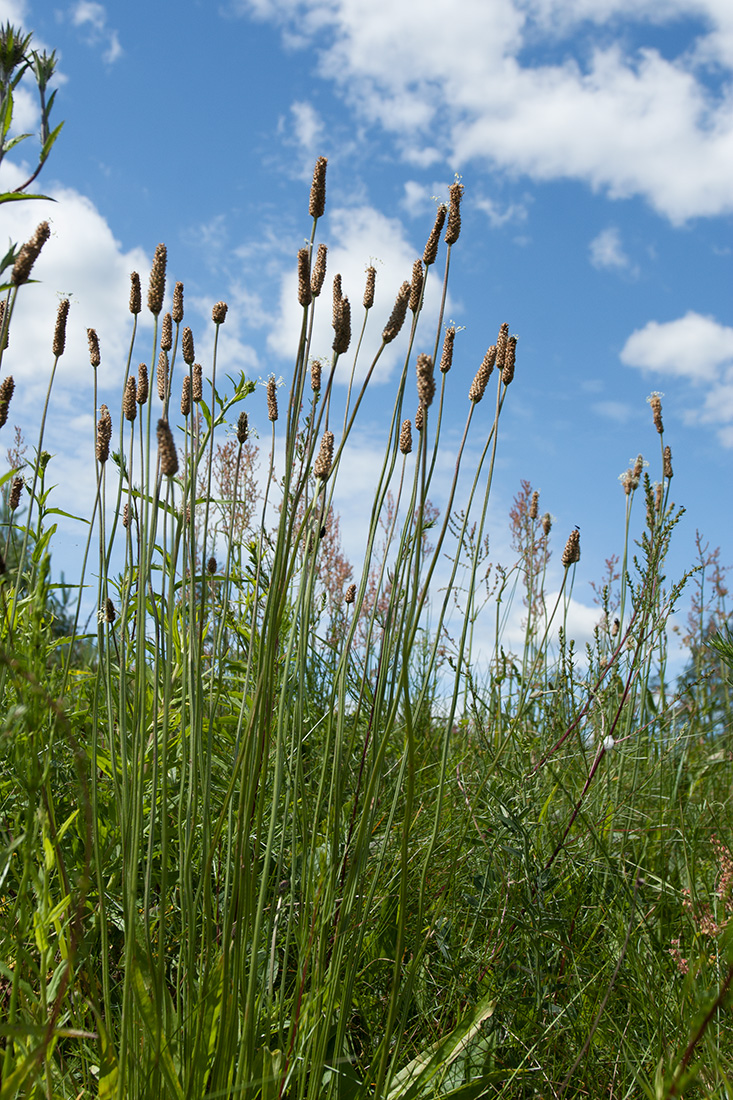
(406, 437)
(322, 465)
(211, 565)
(546, 524)
(198, 383)
(142, 384)
(628, 481)
(534, 505)
(15, 490)
(507, 374)
(658, 497)
(242, 428)
(156, 286)
(93, 342)
(7, 386)
(59, 335)
(104, 434)
(350, 594)
(338, 295)
(317, 203)
(177, 310)
(481, 378)
(304, 277)
(272, 400)
(501, 343)
(187, 346)
(571, 553)
(136, 301)
(655, 400)
(416, 286)
(129, 399)
(166, 332)
(219, 312)
(126, 515)
(453, 229)
(431, 247)
(615, 627)
(420, 418)
(425, 379)
(162, 375)
(166, 450)
(316, 367)
(109, 611)
(397, 316)
(371, 279)
(446, 359)
(186, 395)
(28, 255)
(319, 271)
(667, 462)
(342, 329)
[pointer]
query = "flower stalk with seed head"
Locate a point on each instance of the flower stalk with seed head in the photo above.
(142, 384)
(156, 286)
(481, 379)
(28, 255)
(319, 271)
(129, 400)
(571, 553)
(219, 312)
(198, 382)
(425, 380)
(177, 309)
(136, 301)
(304, 277)
(371, 278)
(59, 336)
(406, 437)
(272, 400)
(416, 286)
(431, 247)
(7, 387)
(322, 465)
(317, 201)
(104, 434)
(166, 332)
(166, 450)
(397, 316)
(446, 358)
(453, 229)
(187, 347)
(186, 395)
(93, 342)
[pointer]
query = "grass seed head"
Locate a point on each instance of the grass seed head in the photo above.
(338, 296)
(446, 359)
(571, 553)
(211, 566)
(425, 380)
(453, 229)
(371, 278)
(129, 399)
(431, 247)
(198, 383)
(322, 465)
(546, 524)
(59, 335)
(350, 594)
(272, 400)
(615, 627)
(534, 505)
(166, 449)
(655, 400)
(242, 428)
(319, 271)
(416, 286)
(397, 316)
(109, 611)
(142, 384)
(186, 395)
(104, 434)
(316, 367)
(93, 342)
(166, 334)
(317, 203)
(406, 437)
(342, 329)
(481, 378)
(177, 310)
(187, 346)
(136, 301)
(156, 286)
(28, 255)
(304, 277)
(7, 387)
(420, 418)
(15, 491)
(162, 375)
(507, 374)
(501, 343)
(667, 462)
(219, 312)
(126, 515)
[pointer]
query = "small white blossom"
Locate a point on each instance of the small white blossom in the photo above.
(608, 743)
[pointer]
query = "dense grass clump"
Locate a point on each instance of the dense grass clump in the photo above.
(274, 828)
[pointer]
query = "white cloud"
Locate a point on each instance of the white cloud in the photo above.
(308, 126)
(93, 17)
(693, 347)
(457, 84)
(606, 251)
(499, 216)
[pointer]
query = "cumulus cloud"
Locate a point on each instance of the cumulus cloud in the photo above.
(625, 121)
(607, 252)
(92, 16)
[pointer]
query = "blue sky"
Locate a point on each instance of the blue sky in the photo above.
(595, 142)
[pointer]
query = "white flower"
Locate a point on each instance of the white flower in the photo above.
(608, 743)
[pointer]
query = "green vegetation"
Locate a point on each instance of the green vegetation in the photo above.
(269, 832)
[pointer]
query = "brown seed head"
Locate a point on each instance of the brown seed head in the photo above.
(272, 400)
(129, 399)
(93, 341)
(628, 482)
(187, 346)
(534, 505)
(109, 611)
(420, 418)
(658, 497)
(431, 247)
(166, 450)
(371, 278)
(342, 333)
(211, 565)
(316, 375)
(242, 428)
(166, 334)
(162, 375)
(397, 317)
(59, 335)
(425, 380)
(319, 270)
(15, 490)
(667, 462)
(507, 374)
(28, 255)
(6, 392)
(638, 468)
(338, 297)
(142, 384)
(615, 627)
(186, 395)
(453, 229)
(317, 203)
(104, 434)
(2, 325)
(546, 524)
(219, 312)
(406, 437)
(416, 286)
(501, 343)
(304, 277)
(481, 379)
(446, 359)
(177, 310)
(571, 553)
(126, 515)
(322, 465)
(656, 403)
(350, 595)
(198, 382)
(136, 301)
(156, 286)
